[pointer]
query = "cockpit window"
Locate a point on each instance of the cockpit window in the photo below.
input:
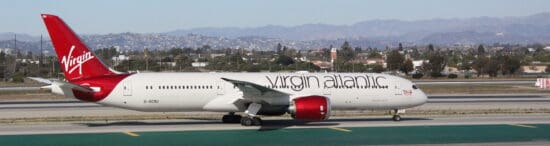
(414, 87)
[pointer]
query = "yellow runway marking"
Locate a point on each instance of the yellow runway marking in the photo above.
(340, 129)
(131, 134)
(525, 126)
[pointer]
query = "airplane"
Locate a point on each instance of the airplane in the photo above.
(305, 96)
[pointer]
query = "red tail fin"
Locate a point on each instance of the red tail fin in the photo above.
(77, 61)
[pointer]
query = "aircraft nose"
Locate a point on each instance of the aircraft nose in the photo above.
(422, 97)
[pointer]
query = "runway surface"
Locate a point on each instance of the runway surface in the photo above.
(471, 82)
(484, 130)
(471, 121)
(72, 109)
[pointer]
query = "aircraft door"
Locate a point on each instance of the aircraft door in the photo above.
(397, 90)
(326, 91)
(127, 88)
(219, 87)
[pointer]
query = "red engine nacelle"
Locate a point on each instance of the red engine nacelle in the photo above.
(311, 108)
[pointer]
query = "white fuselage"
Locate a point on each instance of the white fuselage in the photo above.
(165, 92)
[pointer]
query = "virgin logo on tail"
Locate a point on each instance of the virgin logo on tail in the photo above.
(75, 62)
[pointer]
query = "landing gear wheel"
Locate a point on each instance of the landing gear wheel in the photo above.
(396, 113)
(251, 121)
(231, 118)
(257, 121)
(396, 118)
(247, 121)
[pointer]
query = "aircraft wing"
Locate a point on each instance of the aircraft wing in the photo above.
(258, 93)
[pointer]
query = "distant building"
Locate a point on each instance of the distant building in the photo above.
(371, 61)
(214, 55)
(535, 68)
(418, 63)
(450, 70)
(172, 64)
(324, 65)
(8, 51)
(333, 55)
(199, 64)
(119, 58)
(29, 61)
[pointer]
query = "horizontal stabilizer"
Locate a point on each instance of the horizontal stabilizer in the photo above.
(41, 80)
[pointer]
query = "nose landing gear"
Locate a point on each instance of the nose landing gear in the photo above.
(396, 117)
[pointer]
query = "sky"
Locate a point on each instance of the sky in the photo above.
(153, 16)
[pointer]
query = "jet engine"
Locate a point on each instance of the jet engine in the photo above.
(310, 108)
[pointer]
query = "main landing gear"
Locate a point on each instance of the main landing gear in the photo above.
(251, 121)
(396, 117)
(251, 118)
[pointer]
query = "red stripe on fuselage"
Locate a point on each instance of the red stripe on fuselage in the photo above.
(106, 84)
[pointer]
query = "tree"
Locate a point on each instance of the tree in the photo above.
(436, 64)
(481, 50)
(415, 53)
(2, 57)
(479, 64)
(492, 67)
(466, 61)
(431, 48)
(394, 60)
(279, 48)
(407, 67)
(346, 53)
(358, 49)
(374, 53)
(106, 54)
(509, 64)
(284, 60)
(378, 68)
(182, 61)
(175, 51)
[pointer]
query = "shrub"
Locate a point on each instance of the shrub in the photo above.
(467, 76)
(417, 76)
(452, 76)
(436, 75)
(18, 78)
